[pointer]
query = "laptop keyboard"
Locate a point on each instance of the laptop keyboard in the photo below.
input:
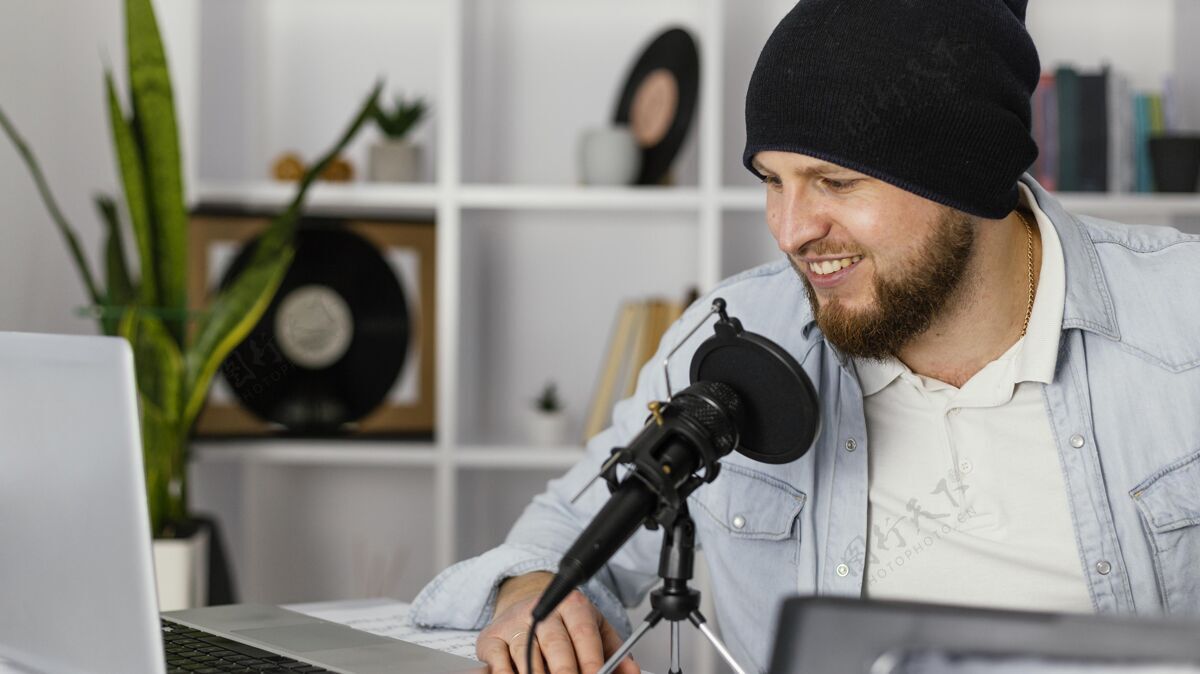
(192, 651)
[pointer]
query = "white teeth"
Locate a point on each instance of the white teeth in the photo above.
(830, 266)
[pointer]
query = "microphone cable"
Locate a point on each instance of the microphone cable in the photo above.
(529, 648)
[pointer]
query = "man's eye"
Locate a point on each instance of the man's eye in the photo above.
(772, 181)
(837, 185)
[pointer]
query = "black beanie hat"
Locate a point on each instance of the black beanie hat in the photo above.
(931, 96)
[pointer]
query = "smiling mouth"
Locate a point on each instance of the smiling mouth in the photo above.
(828, 267)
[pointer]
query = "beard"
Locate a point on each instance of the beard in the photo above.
(907, 302)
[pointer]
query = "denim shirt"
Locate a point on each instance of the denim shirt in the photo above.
(1124, 408)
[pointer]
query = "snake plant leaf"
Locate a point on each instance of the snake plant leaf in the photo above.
(234, 313)
(237, 309)
(164, 458)
(64, 228)
(129, 163)
(158, 360)
(120, 287)
(158, 138)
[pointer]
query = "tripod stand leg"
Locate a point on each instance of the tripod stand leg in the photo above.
(675, 649)
(650, 621)
(698, 620)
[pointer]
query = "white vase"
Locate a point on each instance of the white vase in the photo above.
(394, 161)
(181, 571)
(609, 156)
(547, 429)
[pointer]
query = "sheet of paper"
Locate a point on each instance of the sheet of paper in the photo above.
(389, 618)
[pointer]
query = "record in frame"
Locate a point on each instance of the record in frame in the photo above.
(346, 346)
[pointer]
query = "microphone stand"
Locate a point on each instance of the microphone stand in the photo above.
(674, 600)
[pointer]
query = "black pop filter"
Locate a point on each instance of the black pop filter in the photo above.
(779, 403)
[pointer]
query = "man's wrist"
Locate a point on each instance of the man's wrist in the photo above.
(517, 588)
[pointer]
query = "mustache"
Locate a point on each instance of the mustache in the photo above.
(827, 250)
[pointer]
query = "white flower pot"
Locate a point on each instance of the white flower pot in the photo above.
(609, 156)
(181, 571)
(394, 161)
(547, 429)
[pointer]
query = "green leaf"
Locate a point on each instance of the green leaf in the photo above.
(157, 360)
(129, 163)
(234, 314)
(158, 366)
(158, 138)
(236, 310)
(121, 291)
(164, 461)
(64, 228)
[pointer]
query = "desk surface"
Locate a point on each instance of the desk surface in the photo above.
(389, 618)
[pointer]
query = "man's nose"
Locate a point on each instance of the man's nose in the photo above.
(800, 220)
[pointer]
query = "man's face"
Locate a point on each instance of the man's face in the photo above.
(887, 262)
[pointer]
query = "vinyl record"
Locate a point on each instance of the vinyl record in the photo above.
(334, 339)
(659, 100)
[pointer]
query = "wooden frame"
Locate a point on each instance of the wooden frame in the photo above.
(228, 418)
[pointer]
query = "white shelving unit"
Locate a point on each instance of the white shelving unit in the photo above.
(531, 266)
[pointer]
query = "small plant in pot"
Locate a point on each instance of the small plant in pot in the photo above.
(176, 351)
(548, 420)
(395, 159)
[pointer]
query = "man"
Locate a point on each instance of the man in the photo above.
(1008, 391)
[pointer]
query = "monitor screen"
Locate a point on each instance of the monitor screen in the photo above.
(948, 662)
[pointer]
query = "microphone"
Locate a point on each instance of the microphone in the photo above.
(747, 394)
(691, 432)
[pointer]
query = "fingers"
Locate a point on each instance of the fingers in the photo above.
(583, 627)
(556, 646)
(612, 642)
(493, 652)
(517, 648)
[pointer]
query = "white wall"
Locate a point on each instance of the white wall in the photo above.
(51, 87)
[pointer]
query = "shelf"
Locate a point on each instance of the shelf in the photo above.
(517, 197)
(1112, 205)
(315, 452)
(383, 199)
(359, 452)
(379, 199)
(1099, 204)
(550, 458)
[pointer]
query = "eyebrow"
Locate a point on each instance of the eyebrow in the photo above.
(821, 167)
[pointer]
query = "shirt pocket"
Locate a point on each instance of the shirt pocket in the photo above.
(745, 505)
(1169, 504)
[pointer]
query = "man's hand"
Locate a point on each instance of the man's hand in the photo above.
(574, 639)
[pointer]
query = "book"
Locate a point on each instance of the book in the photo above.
(1141, 110)
(1066, 81)
(1121, 163)
(1093, 123)
(639, 329)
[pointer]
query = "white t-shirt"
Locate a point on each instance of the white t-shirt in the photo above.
(967, 501)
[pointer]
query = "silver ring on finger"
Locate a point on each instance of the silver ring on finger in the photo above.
(518, 634)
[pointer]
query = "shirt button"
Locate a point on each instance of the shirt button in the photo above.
(851, 445)
(1077, 441)
(1103, 567)
(843, 570)
(739, 522)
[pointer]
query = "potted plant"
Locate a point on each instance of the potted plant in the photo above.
(548, 421)
(394, 159)
(176, 353)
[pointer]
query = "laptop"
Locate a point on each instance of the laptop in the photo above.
(817, 635)
(77, 591)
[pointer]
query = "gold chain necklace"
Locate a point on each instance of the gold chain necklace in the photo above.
(1029, 242)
